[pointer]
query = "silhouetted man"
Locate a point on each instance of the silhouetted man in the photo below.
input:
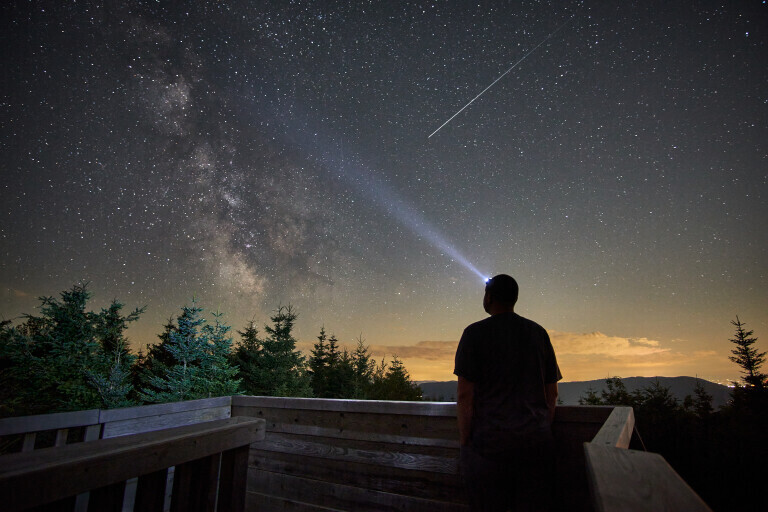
(506, 402)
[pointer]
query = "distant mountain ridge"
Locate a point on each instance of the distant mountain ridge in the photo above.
(570, 392)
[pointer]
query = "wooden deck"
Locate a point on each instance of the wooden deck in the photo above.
(347, 455)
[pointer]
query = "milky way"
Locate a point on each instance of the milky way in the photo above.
(253, 154)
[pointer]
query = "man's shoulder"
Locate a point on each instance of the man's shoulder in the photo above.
(478, 326)
(531, 324)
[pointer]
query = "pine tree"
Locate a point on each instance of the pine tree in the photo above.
(363, 367)
(702, 404)
(217, 376)
(393, 383)
(616, 393)
(590, 398)
(339, 375)
(280, 369)
(112, 374)
(246, 357)
(66, 358)
(747, 356)
(318, 365)
(201, 368)
(155, 363)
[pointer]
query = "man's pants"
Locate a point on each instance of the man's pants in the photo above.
(521, 478)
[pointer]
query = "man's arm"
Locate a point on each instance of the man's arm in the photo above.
(464, 406)
(551, 392)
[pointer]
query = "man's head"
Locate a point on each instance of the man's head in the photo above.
(500, 294)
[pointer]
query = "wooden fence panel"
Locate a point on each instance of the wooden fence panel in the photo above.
(354, 455)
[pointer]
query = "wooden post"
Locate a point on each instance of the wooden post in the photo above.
(108, 498)
(61, 437)
(150, 491)
(195, 484)
(29, 442)
(232, 479)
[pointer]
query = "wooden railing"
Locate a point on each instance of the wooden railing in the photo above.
(367, 455)
(623, 480)
(103, 424)
(210, 461)
(370, 455)
(26, 433)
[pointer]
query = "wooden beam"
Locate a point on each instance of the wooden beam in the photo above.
(617, 429)
(41, 422)
(150, 423)
(141, 411)
(634, 481)
(341, 405)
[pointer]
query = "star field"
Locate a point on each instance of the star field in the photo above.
(258, 154)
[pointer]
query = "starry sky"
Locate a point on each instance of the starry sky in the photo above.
(257, 154)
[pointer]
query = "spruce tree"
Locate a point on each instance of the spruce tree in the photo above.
(747, 356)
(363, 366)
(217, 376)
(318, 365)
(201, 368)
(702, 403)
(616, 393)
(246, 358)
(393, 383)
(280, 369)
(111, 375)
(590, 398)
(66, 358)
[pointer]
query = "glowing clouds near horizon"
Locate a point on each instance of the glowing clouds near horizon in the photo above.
(581, 356)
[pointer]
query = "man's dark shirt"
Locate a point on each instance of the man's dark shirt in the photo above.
(509, 359)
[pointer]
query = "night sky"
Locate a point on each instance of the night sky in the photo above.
(256, 154)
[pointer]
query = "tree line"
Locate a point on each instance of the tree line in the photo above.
(721, 453)
(67, 358)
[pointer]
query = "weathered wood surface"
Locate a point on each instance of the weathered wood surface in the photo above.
(353, 455)
(422, 483)
(339, 496)
(628, 481)
(395, 456)
(408, 449)
(33, 478)
(147, 418)
(617, 429)
(42, 422)
(339, 405)
(143, 411)
(116, 422)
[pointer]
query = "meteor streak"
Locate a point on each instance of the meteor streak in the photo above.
(503, 74)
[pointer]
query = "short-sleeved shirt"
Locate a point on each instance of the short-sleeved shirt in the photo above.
(509, 359)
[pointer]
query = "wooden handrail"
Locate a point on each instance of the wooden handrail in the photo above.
(623, 480)
(617, 429)
(42, 476)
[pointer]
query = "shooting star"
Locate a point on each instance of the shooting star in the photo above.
(504, 74)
